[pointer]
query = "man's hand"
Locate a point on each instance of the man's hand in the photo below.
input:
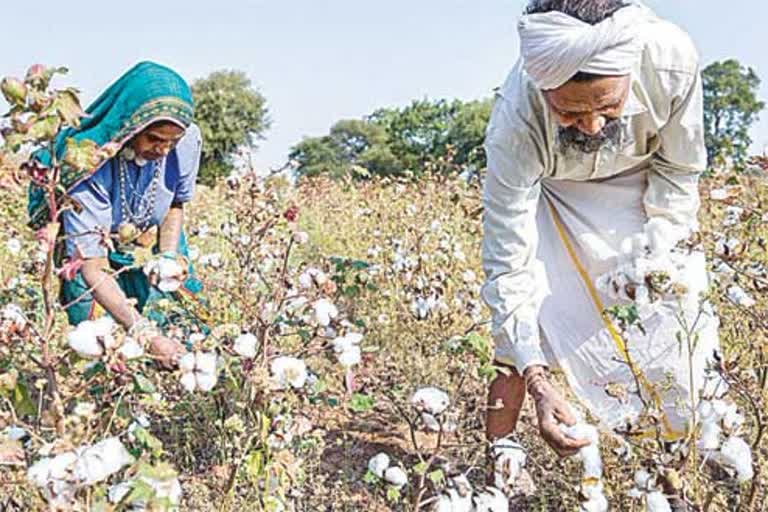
(552, 410)
(166, 351)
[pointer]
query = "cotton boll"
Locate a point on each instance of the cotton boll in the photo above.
(84, 344)
(643, 480)
(206, 381)
(594, 498)
(737, 294)
(718, 194)
(657, 502)
(169, 268)
(98, 462)
(431, 400)
(710, 436)
(396, 476)
(39, 472)
(736, 453)
(434, 425)
(118, 492)
(187, 362)
(245, 345)
(590, 454)
(169, 489)
(205, 362)
(344, 343)
(90, 338)
(350, 357)
(378, 464)
(289, 372)
(131, 349)
(325, 311)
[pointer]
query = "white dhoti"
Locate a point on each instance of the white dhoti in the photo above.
(573, 331)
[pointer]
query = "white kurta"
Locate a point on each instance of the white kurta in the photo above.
(542, 310)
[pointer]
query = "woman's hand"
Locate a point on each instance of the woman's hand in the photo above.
(166, 351)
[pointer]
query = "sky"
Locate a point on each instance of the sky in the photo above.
(318, 61)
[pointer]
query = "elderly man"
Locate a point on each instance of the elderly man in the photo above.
(596, 134)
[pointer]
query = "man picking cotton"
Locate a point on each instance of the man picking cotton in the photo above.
(595, 147)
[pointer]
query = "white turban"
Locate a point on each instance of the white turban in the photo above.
(556, 46)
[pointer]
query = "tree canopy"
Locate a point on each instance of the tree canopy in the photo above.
(231, 115)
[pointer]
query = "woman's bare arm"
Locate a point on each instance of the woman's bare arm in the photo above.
(170, 230)
(107, 292)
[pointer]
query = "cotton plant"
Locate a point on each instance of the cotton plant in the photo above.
(647, 489)
(198, 371)
(739, 296)
(325, 312)
(289, 372)
(93, 338)
(347, 349)
(460, 496)
(13, 315)
(648, 267)
(432, 403)
(720, 425)
(245, 345)
(593, 498)
(381, 466)
(60, 477)
(168, 273)
(150, 487)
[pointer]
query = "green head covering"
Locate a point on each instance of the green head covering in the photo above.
(145, 94)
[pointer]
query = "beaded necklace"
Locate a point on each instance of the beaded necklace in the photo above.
(136, 220)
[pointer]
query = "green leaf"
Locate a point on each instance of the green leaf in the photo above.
(371, 478)
(148, 441)
(94, 370)
(361, 403)
(21, 400)
(254, 465)
(143, 384)
(305, 335)
(82, 155)
(68, 106)
(393, 494)
(420, 468)
(352, 291)
(436, 477)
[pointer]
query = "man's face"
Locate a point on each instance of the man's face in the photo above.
(157, 140)
(589, 112)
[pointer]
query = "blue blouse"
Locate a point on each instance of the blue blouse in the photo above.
(99, 195)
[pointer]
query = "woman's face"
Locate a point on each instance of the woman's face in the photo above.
(157, 140)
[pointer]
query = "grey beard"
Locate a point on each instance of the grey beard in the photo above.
(573, 138)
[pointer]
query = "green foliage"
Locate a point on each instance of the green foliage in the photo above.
(231, 115)
(426, 136)
(361, 403)
(731, 107)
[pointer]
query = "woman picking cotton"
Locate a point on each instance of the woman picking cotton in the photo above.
(133, 200)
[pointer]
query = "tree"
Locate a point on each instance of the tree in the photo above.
(231, 115)
(425, 136)
(730, 108)
(351, 145)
